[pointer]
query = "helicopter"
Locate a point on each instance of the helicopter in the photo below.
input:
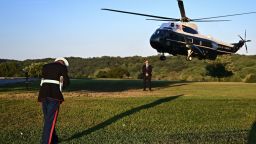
(180, 36)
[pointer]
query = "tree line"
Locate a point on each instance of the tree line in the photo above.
(224, 68)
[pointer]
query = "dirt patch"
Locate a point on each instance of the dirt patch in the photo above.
(128, 93)
(18, 95)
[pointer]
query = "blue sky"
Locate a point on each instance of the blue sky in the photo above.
(32, 29)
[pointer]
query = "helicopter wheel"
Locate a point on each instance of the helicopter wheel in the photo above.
(189, 58)
(162, 57)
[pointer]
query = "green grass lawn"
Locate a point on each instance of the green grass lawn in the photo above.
(118, 111)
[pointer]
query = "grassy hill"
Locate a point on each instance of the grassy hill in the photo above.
(226, 68)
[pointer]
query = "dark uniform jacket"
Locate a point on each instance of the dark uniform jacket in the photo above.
(147, 70)
(53, 71)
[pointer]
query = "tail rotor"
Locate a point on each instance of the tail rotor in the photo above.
(244, 41)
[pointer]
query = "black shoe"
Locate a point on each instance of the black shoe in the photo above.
(55, 140)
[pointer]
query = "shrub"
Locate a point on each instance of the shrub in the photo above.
(102, 74)
(250, 78)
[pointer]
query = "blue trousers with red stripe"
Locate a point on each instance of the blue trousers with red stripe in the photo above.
(50, 110)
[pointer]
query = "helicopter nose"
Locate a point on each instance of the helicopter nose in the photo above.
(155, 41)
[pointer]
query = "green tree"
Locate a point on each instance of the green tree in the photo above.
(118, 72)
(10, 69)
(218, 70)
(35, 69)
(222, 67)
(102, 74)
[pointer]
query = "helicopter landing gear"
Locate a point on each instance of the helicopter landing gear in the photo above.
(162, 57)
(189, 58)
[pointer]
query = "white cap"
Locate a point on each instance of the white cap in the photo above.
(62, 59)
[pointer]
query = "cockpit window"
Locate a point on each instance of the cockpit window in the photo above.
(189, 30)
(157, 32)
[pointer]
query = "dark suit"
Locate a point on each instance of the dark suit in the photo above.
(51, 98)
(147, 74)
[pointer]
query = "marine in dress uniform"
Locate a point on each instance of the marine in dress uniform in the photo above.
(54, 78)
(147, 74)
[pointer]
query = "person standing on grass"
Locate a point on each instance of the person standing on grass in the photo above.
(147, 74)
(54, 78)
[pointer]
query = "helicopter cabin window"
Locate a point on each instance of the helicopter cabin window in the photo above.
(206, 44)
(181, 38)
(196, 42)
(224, 47)
(189, 30)
(190, 40)
(166, 26)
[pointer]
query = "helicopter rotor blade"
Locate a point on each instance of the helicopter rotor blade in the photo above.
(140, 14)
(246, 47)
(162, 20)
(241, 38)
(193, 21)
(230, 15)
(245, 34)
(209, 20)
(182, 10)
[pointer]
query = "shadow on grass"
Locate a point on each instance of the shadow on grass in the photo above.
(122, 115)
(252, 134)
(117, 85)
